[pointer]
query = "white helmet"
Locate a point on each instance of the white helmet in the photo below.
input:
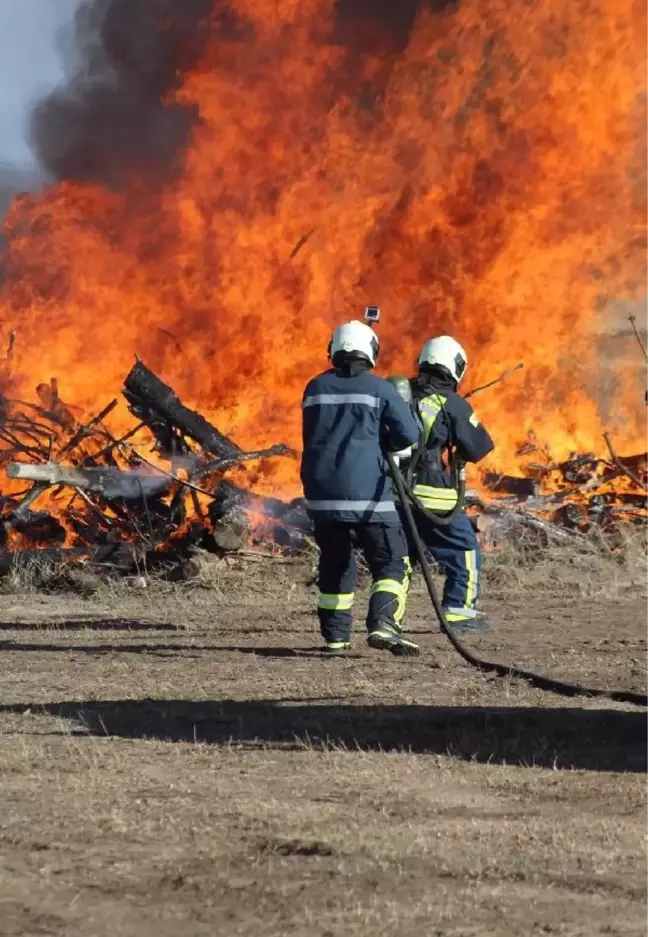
(447, 353)
(355, 338)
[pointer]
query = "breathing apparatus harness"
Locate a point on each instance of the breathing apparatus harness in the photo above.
(407, 499)
(456, 468)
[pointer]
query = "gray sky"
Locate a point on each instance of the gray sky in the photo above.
(30, 64)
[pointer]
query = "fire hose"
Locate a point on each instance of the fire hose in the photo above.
(459, 473)
(539, 681)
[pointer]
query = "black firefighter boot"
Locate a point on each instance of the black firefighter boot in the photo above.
(385, 635)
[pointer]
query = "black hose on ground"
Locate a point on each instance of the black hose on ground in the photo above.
(502, 670)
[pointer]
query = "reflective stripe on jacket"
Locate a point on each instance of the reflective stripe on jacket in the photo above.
(347, 422)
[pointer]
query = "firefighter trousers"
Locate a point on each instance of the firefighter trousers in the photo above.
(456, 550)
(385, 550)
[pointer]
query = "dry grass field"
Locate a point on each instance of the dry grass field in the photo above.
(180, 761)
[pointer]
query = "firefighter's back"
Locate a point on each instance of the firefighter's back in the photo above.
(344, 472)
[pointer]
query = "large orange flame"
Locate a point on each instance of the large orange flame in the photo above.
(487, 182)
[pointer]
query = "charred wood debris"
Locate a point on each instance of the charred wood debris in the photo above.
(124, 506)
(118, 505)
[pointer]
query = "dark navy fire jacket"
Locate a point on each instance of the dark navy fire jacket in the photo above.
(349, 422)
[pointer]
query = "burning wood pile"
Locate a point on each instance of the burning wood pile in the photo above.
(154, 496)
(103, 499)
(556, 502)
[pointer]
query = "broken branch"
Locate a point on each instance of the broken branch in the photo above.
(619, 464)
(219, 465)
(497, 380)
(632, 320)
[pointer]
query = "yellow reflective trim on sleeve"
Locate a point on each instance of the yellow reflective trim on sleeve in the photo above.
(473, 420)
(332, 601)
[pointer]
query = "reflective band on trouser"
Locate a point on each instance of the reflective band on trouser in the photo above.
(459, 614)
(472, 588)
(400, 611)
(473, 578)
(395, 588)
(334, 602)
(378, 507)
(336, 399)
(437, 499)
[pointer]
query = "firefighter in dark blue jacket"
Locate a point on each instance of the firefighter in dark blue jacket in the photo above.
(350, 418)
(449, 424)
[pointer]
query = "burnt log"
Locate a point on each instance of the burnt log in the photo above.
(637, 478)
(620, 499)
(515, 524)
(38, 527)
(111, 483)
(156, 404)
(230, 532)
(288, 523)
(580, 468)
(511, 485)
(637, 463)
(291, 514)
(290, 541)
(571, 516)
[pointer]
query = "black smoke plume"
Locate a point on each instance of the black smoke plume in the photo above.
(110, 121)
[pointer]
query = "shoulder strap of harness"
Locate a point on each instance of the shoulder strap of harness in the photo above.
(428, 410)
